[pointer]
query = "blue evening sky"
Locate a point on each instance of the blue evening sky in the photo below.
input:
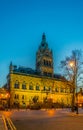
(22, 23)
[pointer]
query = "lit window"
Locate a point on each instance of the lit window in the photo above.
(16, 96)
(56, 89)
(61, 90)
(71, 90)
(16, 85)
(30, 87)
(37, 88)
(49, 89)
(23, 86)
(22, 96)
(44, 88)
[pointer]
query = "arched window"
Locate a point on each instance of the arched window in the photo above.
(61, 90)
(44, 88)
(22, 96)
(50, 63)
(16, 96)
(44, 62)
(56, 89)
(37, 87)
(49, 88)
(71, 90)
(24, 85)
(30, 86)
(16, 85)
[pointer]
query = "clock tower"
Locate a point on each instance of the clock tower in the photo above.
(44, 59)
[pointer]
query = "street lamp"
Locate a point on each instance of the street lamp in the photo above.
(73, 65)
(7, 95)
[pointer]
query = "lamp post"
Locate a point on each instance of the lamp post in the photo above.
(73, 65)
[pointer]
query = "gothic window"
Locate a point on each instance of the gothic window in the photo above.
(37, 87)
(38, 64)
(49, 63)
(56, 89)
(71, 90)
(65, 90)
(45, 73)
(22, 96)
(49, 88)
(61, 90)
(16, 96)
(24, 85)
(68, 90)
(30, 86)
(44, 88)
(16, 85)
(44, 62)
(49, 74)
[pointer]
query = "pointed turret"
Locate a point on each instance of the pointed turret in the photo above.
(44, 44)
(11, 67)
(43, 38)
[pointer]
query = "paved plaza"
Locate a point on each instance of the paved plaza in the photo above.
(2, 125)
(59, 119)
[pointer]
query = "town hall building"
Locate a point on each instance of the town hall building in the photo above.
(25, 83)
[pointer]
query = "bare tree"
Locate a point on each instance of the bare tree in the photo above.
(72, 67)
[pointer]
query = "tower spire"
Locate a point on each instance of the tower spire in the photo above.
(44, 59)
(44, 44)
(11, 67)
(44, 37)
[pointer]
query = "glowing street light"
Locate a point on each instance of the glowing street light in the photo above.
(7, 95)
(71, 63)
